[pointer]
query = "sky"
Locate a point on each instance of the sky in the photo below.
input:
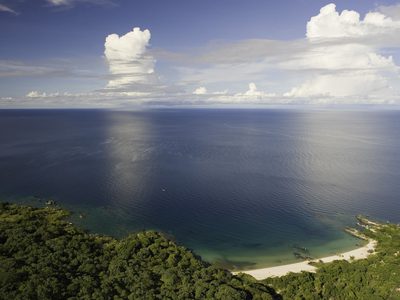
(120, 53)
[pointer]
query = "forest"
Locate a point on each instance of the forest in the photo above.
(377, 277)
(44, 256)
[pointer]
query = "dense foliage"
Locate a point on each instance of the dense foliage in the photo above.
(377, 277)
(43, 256)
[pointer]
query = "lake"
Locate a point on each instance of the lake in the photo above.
(242, 187)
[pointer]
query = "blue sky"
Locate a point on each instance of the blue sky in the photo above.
(53, 53)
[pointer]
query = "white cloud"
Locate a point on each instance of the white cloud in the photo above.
(22, 69)
(254, 93)
(346, 84)
(71, 3)
(127, 58)
(330, 24)
(5, 8)
(251, 96)
(36, 94)
(200, 91)
(224, 73)
(344, 70)
(203, 93)
(86, 99)
(340, 57)
(59, 2)
(352, 69)
(392, 11)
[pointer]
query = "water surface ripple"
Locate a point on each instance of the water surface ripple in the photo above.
(241, 187)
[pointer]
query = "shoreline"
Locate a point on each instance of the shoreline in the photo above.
(277, 271)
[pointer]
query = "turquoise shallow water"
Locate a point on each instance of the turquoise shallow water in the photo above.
(240, 187)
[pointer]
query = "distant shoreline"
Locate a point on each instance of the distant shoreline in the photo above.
(277, 271)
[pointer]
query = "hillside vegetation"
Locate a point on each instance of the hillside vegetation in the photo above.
(43, 256)
(377, 277)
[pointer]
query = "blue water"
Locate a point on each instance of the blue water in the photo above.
(236, 186)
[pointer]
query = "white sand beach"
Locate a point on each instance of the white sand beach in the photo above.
(263, 273)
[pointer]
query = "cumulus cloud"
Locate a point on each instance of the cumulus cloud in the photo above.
(200, 91)
(392, 11)
(36, 94)
(251, 96)
(354, 68)
(331, 24)
(128, 60)
(343, 58)
(5, 8)
(342, 55)
(344, 70)
(253, 90)
(254, 93)
(203, 93)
